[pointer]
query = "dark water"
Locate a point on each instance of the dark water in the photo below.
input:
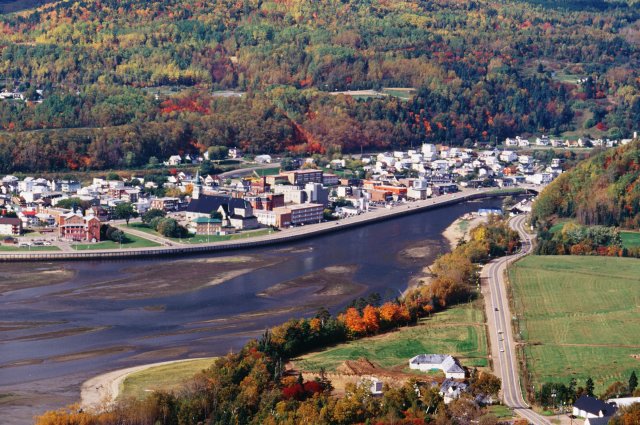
(41, 369)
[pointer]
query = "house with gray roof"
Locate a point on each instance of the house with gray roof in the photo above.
(444, 362)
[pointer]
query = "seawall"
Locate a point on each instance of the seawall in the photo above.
(282, 237)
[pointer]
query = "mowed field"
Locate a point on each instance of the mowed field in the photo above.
(580, 317)
(458, 331)
(169, 377)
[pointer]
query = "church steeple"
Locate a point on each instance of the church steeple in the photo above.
(197, 187)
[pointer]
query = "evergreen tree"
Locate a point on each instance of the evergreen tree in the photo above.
(590, 387)
(633, 382)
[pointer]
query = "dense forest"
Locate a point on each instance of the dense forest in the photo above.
(124, 71)
(602, 190)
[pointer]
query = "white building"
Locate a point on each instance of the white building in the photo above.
(508, 156)
(446, 363)
(591, 407)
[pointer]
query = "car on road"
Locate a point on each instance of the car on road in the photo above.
(496, 308)
(502, 349)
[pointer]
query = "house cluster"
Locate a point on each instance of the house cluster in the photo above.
(18, 95)
(581, 142)
(33, 203)
(438, 167)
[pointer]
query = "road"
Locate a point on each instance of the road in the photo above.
(500, 332)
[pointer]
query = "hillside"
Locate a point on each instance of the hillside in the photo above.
(602, 190)
(126, 70)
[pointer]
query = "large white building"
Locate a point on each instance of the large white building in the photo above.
(444, 362)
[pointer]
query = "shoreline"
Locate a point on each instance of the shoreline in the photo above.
(452, 234)
(282, 237)
(100, 392)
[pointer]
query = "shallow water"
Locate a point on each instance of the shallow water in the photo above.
(115, 314)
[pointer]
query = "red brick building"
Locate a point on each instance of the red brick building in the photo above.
(75, 227)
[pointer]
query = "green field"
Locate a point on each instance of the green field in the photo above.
(267, 171)
(193, 239)
(458, 331)
(15, 248)
(630, 239)
(164, 377)
(579, 316)
(132, 241)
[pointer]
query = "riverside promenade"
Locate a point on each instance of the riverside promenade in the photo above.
(280, 237)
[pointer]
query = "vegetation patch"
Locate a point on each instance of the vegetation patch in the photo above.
(458, 331)
(129, 241)
(578, 317)
(168, 377)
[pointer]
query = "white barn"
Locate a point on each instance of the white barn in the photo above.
(446, 363)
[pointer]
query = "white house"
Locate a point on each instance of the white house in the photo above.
(623, 401)
(174, 160)
(444, 362)
(263, 159)
(508, 156)
(591, 407)
(451, 390)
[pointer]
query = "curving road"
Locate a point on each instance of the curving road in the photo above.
(500, 332)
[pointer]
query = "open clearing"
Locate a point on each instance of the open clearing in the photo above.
(167, 377)
(579, 316)
(131, 241)
(458, 331)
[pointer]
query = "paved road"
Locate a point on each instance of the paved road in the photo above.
(500, 331)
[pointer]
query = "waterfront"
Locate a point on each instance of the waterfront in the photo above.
(100, 316)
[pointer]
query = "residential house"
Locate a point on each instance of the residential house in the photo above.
(263, 159)
(591, 407)
(10, 226)
(165, 204)
(451, 390)
(508, 156)
(174, 160)
(446, 363)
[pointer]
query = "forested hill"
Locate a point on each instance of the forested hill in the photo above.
(603, 190)
(137, 76)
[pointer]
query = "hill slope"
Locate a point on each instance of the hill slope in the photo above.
(602, 190)
(482, 71)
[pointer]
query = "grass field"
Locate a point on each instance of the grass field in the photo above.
(579, 316)
(15, 248)
(131, 242)
(165, 377)
(268, 171)
(458, 331)
(204, 238)
(630, 239)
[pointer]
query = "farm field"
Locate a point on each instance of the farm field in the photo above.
(167, 377)
(458, 331)
(579, 317)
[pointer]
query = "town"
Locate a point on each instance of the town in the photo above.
(273, 193)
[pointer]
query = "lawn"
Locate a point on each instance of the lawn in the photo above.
(132, 241)
(193, 239)
(630, 239)
(164, 377)
(267, 171)
(15, 248)
(579, 317)
(458, 331)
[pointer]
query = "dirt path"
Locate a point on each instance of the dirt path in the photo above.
(101, 391)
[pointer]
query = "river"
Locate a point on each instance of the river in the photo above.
(62, 323)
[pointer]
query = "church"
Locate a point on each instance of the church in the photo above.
(233, 212)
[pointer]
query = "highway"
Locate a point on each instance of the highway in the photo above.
(500, 332)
